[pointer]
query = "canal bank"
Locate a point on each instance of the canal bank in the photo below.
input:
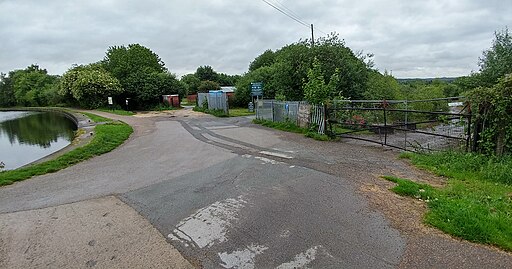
(82, 134)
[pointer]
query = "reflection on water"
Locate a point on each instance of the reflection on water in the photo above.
(29, 136)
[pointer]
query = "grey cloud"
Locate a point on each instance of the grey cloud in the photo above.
(412, 38)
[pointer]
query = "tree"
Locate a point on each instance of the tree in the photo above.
(6, 91)
(316, 91)
(123, 62)
(26, 86)
(291, 65)
(89, 85)
(267, 58)
(227, 80)
(382, 86)
(192, 83)
(206, 73)
(208, 85)
(265, 75)
(496, 62)
(154, 85)
(142, 75)
(336, 57)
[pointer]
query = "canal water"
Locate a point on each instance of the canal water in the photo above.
(29, 136)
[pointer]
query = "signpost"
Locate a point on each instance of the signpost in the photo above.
(257, 90)
(110, 103)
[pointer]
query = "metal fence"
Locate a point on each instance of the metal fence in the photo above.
(278, 111)
(299, 113)
(412, 125)
(215, 100)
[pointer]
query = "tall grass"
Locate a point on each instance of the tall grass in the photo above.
(465, 166)
(476, 203)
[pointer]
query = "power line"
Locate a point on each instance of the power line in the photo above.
(289, 10)
(287, 14)
(290, 13)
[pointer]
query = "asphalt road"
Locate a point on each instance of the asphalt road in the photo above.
(222, 193)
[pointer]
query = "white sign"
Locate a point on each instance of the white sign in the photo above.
(110, 102)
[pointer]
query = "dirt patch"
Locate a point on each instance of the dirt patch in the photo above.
(181, 113)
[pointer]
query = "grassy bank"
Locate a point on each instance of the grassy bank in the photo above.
(476, 203)
(291, 127)
(107, 137)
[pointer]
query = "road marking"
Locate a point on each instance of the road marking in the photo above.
(222, 127)
(285, 234)
(275, 154)
(301, 260)
(241, 259)
(208, 225)
(287, 151)
(266, 160)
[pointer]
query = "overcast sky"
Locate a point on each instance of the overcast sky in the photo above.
(410, 38)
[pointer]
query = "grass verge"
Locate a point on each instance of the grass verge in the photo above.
(108, 136)
(117, 111)
(95, 117)
(240, 112)
(464, 166)
(215, 112)
(475, 205)
(291, 127)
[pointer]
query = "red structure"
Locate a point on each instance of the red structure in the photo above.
(172, 100)
(192, 98)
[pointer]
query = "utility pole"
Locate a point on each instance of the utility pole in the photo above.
(312, 37)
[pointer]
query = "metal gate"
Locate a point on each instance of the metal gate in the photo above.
(411, 125)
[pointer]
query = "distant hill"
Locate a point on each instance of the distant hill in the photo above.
(426, 80)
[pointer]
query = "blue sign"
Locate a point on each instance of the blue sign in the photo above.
(257, 88)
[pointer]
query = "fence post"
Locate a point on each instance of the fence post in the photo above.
(272, 109)
(226, 100)
(406, 124)
(324, 114)
(468, 139)
(385, 123)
